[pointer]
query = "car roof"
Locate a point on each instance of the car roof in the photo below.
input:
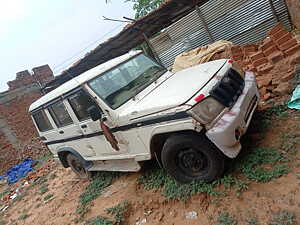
(81, 79)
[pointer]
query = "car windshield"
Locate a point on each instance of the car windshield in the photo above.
(123, 82)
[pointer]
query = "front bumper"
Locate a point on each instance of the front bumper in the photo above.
(226, 132)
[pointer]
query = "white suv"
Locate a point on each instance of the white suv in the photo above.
(131, 109)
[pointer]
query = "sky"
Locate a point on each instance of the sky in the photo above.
(56, 32)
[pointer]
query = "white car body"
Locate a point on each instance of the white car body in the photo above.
(160, 108)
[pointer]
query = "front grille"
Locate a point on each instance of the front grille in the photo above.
(229, 88)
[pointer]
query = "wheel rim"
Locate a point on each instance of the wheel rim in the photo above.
(192, 162)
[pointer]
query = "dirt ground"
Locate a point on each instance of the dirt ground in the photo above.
(54, 198)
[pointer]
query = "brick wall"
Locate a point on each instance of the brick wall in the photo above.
(41, 74)
(17, 120)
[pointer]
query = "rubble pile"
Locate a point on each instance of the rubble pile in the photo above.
(15, 113)
(273, 61)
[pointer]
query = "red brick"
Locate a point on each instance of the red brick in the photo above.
(263, 91)
(259, 62)
(287, 77)
(268, 42)
(267, 96)
(283, 89)
(276, 29)
(237, 58)
(236, 49)
(270, 50)
(295, 60)
(284, 39)
(249, 49)
(264, 81)
(279, 35)
(275, 57)
(293, 50)
(288, 45)
(265, 68)
(257, 56)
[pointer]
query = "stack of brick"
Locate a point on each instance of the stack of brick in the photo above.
(272, 61)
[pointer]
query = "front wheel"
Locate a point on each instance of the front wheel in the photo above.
(189, 157)
(77, 167)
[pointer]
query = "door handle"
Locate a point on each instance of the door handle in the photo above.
(61, 132)
(84, 126)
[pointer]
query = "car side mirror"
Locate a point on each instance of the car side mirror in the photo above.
(95, 113)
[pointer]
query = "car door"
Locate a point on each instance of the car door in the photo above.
(94, 139)
(68, 132)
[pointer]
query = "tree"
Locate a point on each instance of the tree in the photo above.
(143, 7)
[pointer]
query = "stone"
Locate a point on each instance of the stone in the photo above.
(191, 215)
(140, 222)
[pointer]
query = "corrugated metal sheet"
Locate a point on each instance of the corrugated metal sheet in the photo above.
(239, 21)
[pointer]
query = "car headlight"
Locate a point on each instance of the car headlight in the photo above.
(206, 110)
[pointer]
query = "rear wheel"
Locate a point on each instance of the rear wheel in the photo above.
(77, 167)
(189, 157)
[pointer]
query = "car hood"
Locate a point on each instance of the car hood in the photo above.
(173, 91)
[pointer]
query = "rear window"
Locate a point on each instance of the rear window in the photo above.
(42, 121)
(80, 102)
(60, 114)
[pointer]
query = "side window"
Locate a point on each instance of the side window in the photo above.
(80, 102)
(60, 114)
(42, 121)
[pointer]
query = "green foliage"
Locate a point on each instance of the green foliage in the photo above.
(143, 7)
(251, 165)
(283, 218)
(229, 181)
(99, 221)
(23, 217)
(94, 189)
(2, 194)
(171, 189)
(290, 143)
(48, 197)
(44, 188)
(252, 221)
(225, 219)
(118, 211)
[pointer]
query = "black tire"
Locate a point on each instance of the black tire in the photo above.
(77, 167)
(190, 157)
